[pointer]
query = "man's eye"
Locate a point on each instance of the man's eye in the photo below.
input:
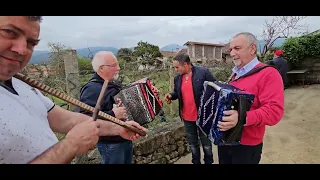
(32, 43)
(8, 32)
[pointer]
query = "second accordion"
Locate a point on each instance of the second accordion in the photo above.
(141, 103)
(216, 98)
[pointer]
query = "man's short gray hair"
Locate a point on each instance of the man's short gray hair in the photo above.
(251, 38)
(98, 59)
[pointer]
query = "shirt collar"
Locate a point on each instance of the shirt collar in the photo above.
(245, 69)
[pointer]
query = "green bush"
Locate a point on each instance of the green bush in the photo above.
(222, 72)
(85, 66)
(297, 49)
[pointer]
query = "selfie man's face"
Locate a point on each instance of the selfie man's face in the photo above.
(18, 36)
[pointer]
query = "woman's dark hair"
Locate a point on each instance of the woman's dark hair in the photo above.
(182, 58)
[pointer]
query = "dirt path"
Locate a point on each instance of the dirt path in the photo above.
(296, 139)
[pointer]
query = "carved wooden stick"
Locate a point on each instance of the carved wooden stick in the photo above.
(75, 102)
(99, 101)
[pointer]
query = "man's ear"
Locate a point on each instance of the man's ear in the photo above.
(101, 68)
(253, 49)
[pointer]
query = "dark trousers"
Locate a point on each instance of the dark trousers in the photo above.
(116, 153)
(193, 133)
(240, 154)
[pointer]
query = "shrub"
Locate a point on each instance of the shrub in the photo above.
(297, 49)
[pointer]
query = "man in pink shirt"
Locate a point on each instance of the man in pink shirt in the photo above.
(267, 108)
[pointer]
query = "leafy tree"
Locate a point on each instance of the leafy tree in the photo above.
(125, 54)
(147, 53)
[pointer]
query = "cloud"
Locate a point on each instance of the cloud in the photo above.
(127, 31)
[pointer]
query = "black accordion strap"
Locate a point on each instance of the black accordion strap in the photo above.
(230, 78)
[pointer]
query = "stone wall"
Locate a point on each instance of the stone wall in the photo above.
(164, 145)
(313, 76)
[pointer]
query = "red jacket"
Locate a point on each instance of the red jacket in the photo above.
(268, 105)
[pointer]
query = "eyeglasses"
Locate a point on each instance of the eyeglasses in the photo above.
(110, 65)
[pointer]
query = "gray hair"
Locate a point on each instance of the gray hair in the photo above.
(251, 38)
(98, 58)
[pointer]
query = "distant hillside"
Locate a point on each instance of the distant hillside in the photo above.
(84, 52)
(277, 43)
(44, 56)
(172, 47)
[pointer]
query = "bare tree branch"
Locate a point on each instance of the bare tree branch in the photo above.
(280, 27)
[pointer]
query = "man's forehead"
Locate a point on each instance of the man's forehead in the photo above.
(22, 24)
(238, 41)
(175, 62)
(110, 61)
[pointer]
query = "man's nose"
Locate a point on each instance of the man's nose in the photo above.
(232, 53)
(20, 46)
(118, 68)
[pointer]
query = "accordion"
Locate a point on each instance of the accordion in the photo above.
(141, 102)
(216, 98)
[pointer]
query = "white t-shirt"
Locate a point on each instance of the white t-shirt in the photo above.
(24, 127)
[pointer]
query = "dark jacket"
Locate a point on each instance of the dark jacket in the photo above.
(89, 94)
(281, 64)
(283, 68)
(199, 75)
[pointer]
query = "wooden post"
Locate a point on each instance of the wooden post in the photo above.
(72, 74)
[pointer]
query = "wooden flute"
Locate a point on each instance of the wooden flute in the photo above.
(75, 102)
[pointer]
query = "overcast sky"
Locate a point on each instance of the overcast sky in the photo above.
(126, 31)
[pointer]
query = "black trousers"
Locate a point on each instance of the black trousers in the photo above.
(240, 154)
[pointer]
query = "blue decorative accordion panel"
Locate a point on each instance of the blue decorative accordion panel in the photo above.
(216, 98)
(208, 108)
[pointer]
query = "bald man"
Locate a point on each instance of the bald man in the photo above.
(113, 149)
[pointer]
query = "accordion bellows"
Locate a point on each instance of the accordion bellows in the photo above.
(141, 103)
(216, 98)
